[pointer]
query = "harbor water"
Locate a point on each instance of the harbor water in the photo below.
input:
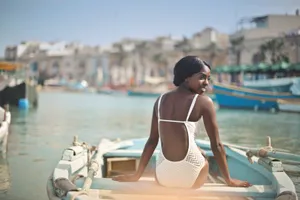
(38, 136)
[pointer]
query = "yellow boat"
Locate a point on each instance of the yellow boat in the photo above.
(9, 66)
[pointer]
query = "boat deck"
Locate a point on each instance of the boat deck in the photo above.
(147, 188)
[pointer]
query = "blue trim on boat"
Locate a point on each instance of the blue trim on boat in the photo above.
(239, 97)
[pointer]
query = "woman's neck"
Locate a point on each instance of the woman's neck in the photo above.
(184, 88)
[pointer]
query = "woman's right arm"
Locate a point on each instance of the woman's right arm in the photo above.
(210, 123)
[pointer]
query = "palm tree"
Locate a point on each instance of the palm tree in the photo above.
(213, 52)
(237, 46)
(274, 48)
(293, 38)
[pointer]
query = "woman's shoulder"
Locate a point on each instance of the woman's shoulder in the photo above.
(204, 104)
(204, 100)
(163, 95)
(167, 93)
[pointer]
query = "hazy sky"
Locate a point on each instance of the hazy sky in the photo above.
(102, 22)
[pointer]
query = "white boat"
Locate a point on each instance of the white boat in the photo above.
(84, 173)
(268, 83)
(287, 84)
(289, 105)
(4, 131)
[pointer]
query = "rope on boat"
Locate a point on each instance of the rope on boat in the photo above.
(68, 185)
(268, 151)
(85, 146)
(93, 167)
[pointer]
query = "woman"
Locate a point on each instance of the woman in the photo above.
(175, 114)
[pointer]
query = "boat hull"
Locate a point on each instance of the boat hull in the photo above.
(289, 106)
(121, 157)
(243, 98)
(4, 132)
(5, 179)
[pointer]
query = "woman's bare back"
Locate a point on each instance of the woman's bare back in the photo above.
(174, 136)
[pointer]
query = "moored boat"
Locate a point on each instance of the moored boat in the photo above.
(272, 85)
(84, 173)
(279, 77)
(143, 93)
(108, 91)
(240, 97)
(289, 106)
(15, 87)
(4, 131)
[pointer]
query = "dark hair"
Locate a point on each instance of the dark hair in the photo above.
(186, 67)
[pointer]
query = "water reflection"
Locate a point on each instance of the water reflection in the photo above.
(5, 181)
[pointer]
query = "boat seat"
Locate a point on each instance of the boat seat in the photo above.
(148, 186)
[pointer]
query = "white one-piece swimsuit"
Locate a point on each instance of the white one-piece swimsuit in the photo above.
(183, 173)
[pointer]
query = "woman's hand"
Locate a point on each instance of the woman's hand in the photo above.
(238, 183)
(126, 178)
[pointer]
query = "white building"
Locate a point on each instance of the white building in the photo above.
(207, 36)
(258, 30)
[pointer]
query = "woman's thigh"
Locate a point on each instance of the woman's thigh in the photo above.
(202, 177)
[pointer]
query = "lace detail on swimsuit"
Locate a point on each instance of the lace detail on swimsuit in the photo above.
(194, 159)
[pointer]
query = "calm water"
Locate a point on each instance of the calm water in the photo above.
(38, 137)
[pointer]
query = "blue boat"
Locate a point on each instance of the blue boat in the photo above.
(84, 173)
(111, 92)
(230, 96)
(272, 85)
(143, 94)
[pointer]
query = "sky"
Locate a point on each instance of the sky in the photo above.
(100, 22)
